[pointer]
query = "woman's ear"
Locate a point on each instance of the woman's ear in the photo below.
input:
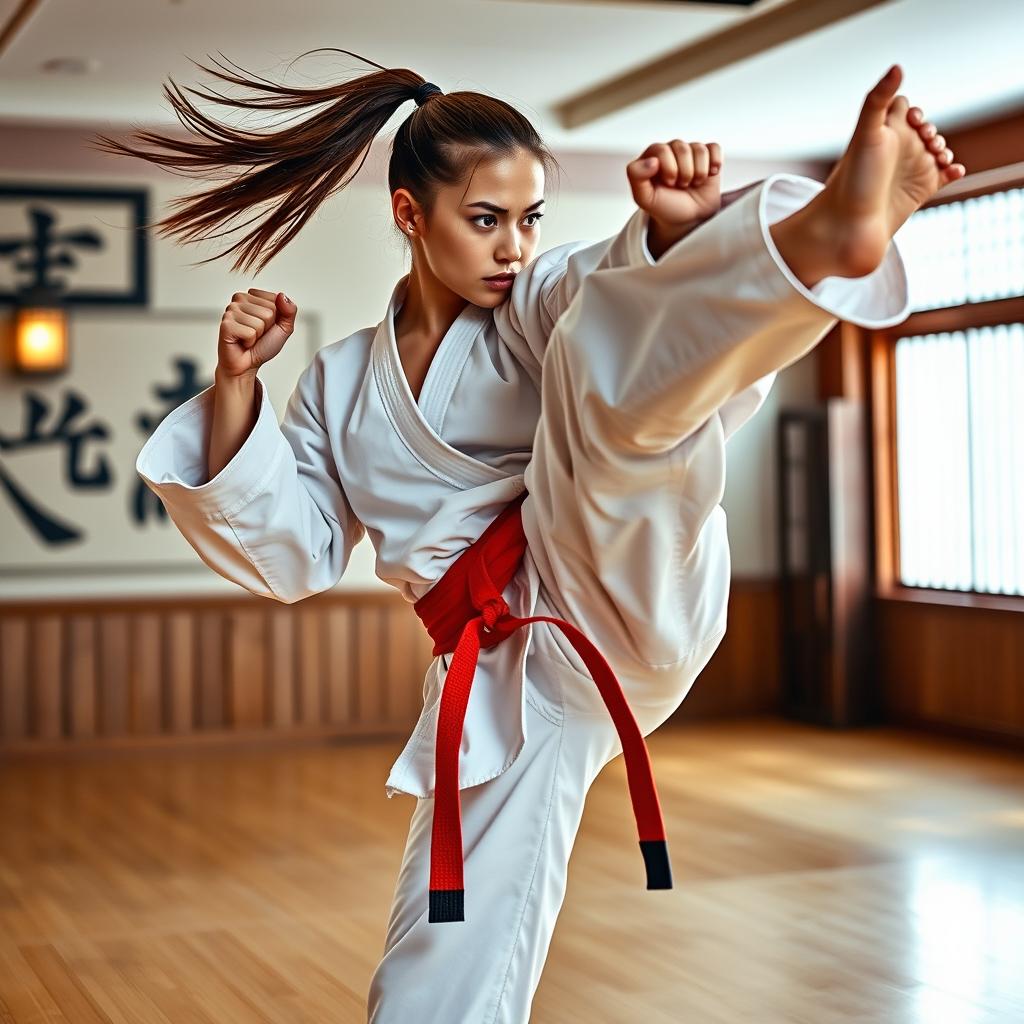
(406, 211)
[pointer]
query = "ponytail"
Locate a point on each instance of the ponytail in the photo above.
(296, 167)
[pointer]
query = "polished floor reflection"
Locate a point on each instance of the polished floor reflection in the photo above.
(868, 877)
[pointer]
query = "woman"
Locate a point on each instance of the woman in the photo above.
(539, 463)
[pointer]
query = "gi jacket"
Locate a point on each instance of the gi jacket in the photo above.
(355, 453)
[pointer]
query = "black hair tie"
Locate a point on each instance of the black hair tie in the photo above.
(425, 90)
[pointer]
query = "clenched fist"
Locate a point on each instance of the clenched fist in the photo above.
(253, 329)
(678, 183)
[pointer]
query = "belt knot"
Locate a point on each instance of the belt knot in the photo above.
(493, 609)
(484, 595)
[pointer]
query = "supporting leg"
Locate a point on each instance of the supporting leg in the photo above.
(518, 833)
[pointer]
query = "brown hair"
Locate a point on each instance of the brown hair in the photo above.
(296, 167)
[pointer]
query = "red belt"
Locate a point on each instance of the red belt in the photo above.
(464, 612)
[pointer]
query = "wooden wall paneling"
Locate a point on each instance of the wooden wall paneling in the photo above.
(1008, 697)
(985, 674)
(180, 714)
(247, 672)
(113, 673)
(82, 676)
(14, 675)
(400, 673)
(950, 666)
(281, 662)
(47, 655)
(423, 652)
(896, 665)
(742, 677)
(340, 659)
(211, 666)
(397, 679)
(930, 665)
(408, 658)
(753, 652)
(1015, 691)
(371, 665)
(310, 661)
(146, 701)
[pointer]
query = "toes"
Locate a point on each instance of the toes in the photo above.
(952, 173)
(937, 144)
(915, 115)
(897, 110)
(945, 157)
(927, 130)
(899, 106)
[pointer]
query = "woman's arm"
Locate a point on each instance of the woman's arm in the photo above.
(235, 411)
(274, 518)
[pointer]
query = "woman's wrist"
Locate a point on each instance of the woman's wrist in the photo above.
(242, 384)
(661, 237)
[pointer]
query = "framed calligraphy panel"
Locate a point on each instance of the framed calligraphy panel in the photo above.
(71, 502)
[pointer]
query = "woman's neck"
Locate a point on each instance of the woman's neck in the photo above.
(427, 311)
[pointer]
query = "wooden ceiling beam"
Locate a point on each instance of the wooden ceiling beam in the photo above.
(744, 38)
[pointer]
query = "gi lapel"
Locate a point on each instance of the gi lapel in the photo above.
(410, 420)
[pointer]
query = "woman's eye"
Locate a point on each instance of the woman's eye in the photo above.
(494, 218)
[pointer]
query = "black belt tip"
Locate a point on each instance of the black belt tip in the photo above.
(659, 871)
(447, 905)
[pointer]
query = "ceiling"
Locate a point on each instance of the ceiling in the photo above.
(962, 62)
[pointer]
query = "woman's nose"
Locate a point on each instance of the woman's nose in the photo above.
(509, 253)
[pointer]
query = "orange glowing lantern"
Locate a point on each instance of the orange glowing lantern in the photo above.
(40, 332)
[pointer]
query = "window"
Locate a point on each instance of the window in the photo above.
(956, 368)
(970, 251)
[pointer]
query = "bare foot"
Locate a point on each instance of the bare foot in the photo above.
(894, 163)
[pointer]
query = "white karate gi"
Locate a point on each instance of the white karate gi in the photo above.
(648, 368)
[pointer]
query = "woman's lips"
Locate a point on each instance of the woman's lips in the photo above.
(500, 283)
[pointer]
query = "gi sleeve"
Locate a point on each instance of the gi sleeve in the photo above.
(735, 411)
(661, 348)
(275, 519)
(543, 290)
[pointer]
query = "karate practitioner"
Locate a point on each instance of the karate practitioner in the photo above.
(550, 451)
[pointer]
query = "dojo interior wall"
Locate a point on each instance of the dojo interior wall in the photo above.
(162, 664)
(340, 270)
(114, 662)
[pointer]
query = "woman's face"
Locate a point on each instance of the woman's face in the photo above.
(489, 225)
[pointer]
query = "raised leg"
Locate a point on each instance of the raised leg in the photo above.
(623, 516)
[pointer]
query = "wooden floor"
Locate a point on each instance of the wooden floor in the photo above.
(874, 877)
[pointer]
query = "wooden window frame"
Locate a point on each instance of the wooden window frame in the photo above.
(880, 349)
